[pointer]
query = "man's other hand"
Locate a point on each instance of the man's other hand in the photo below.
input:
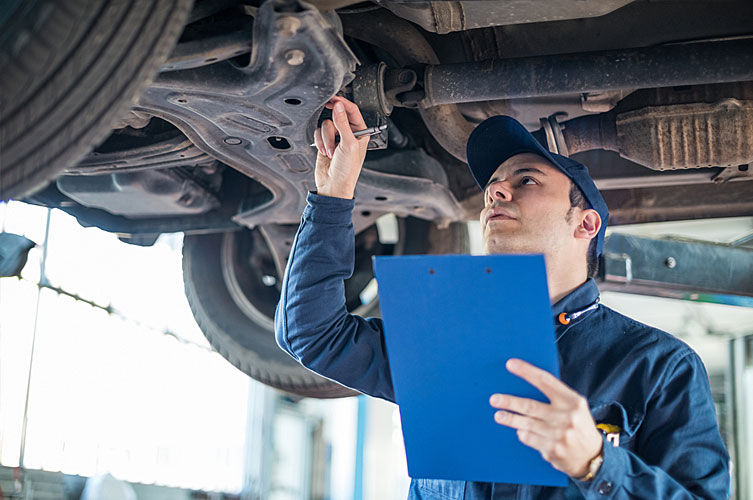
(339, 165)
(563, 431)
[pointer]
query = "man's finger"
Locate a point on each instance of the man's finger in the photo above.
(328, 137)
(540, 443)
(523, 422)
(351, 110)
(524, 406)
(551, 386)
(340, 118)
(319, 142)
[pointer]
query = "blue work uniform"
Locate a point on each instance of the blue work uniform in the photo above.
(649, 384)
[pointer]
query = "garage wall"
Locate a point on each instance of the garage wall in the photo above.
(124, 383)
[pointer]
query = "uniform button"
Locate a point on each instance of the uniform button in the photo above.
(604, 488)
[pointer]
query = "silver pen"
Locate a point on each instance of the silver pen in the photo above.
(367, 131)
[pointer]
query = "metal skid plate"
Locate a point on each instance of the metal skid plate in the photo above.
(260, 118)
(689, 270)
(174, 152)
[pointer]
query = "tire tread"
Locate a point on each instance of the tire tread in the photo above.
(46, 130)
(200, 262)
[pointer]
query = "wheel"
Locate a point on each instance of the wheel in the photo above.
(69, 70)
(233, 288)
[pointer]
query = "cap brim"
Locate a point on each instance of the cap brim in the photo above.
(495, 140)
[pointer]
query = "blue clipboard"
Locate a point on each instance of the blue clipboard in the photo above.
(450, 324)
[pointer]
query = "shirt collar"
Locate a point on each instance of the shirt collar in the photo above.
(578, 299)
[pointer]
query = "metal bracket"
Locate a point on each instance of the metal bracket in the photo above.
(378, 141)
(689, 270)
(618, 267)
(730, 173)
(553, 131)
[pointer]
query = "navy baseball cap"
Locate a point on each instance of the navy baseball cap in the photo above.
(501, 137)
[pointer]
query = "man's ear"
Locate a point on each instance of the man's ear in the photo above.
(590, 223)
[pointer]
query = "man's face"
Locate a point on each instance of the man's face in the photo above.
(526, 204)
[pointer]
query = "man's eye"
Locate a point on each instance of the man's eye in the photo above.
(527, 181)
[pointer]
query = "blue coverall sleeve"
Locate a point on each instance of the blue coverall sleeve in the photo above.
(311, 321)
(682, 455)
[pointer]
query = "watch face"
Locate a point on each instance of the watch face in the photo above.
(593, 467)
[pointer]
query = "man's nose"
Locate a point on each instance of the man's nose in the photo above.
(499, 191)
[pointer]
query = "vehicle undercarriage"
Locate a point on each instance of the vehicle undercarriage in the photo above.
(655, 97)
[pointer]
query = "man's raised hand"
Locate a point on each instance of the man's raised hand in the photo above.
(563, 430)
(339, 165)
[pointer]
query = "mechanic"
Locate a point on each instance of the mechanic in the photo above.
(632, 415)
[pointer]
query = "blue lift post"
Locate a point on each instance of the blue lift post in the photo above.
(360, 442)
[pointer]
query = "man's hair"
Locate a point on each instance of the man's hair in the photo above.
(578, 200)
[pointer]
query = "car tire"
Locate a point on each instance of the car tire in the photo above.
(69, 70)
(224, 274)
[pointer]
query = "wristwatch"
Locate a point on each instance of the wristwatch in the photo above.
(593, 467)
